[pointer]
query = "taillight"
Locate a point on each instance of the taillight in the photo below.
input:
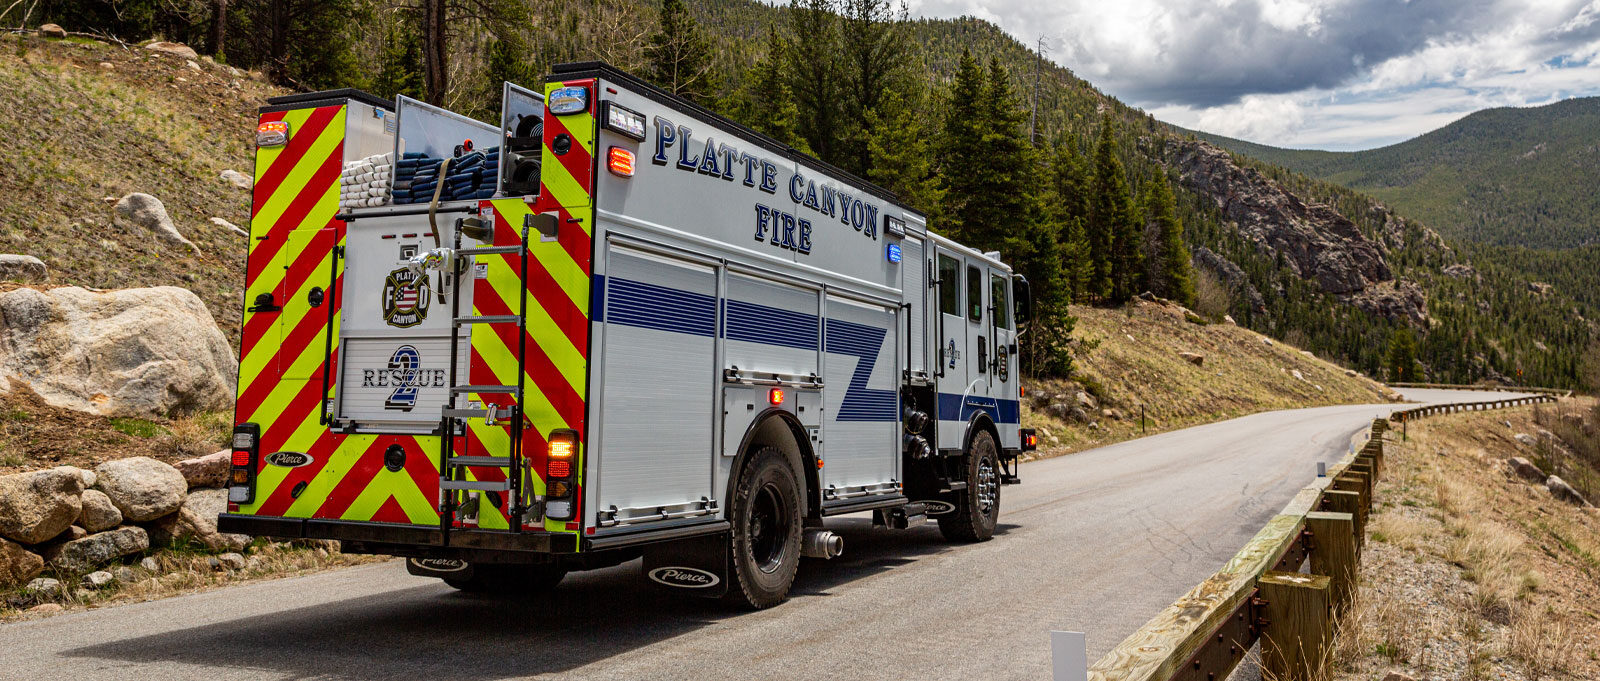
(246, 451)
(775, 396)
(272, 134)
(1030, 439)
(561, 460)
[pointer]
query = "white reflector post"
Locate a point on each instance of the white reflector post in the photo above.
(1069, 656)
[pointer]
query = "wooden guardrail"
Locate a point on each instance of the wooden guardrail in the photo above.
(1408, 415)
(1261, 595)
(1490, 388)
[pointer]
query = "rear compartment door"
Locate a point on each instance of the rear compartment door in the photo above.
(659, 378)
(308, 263)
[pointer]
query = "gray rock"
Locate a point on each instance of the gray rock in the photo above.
(98, 513)
(15, 267)
(1526, 470)
(125, 574)
(213, 563)
(1087, 401)
(1563, 491)
(142, 488)
(232, 561)
(52, 31)
(150, 564)
(98, 549)
(197, 520)
(73, 533)
(147, 353)
(142, 213)
(174, 49)
(237, 179)
(210, 470)
(17, 564)
(89, 478)
(1526, 439)
(1229, 319)
(1194, 358)
(230, 226)
(44, 587)
(99, 579)
(36, 506)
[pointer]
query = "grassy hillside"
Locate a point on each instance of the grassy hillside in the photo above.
(83, 122)
(1499, 176)
(1130, 360)
(1470, 571)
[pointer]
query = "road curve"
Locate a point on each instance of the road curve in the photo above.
(1097, 542)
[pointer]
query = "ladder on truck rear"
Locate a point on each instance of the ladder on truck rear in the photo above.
(453, 480)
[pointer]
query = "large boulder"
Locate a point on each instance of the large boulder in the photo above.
(98, 549)
(142, 488)
(1563, 491)
(210, 470)
(17, 565)
(145, 214)
(52, 31)
(36, 506)
(146, 352)
(1526, 470)
(99, 514)
(174, 49)
(15, 267)
(197, 520)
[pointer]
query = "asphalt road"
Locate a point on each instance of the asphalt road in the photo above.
(1096, 542)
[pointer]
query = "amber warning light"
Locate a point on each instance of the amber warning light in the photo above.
(775, 396)
(620, 161)
(272, 134)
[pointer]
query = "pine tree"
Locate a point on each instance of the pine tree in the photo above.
(1171, 275)
(903, 164)
(873, 54)
(963, 161)
(400, 63)
(767, 102)
(679, 57)
(1401, 361)
(813, 68)
(1067, 190)
(1113, 232)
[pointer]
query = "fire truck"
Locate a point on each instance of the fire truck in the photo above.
(614, 326)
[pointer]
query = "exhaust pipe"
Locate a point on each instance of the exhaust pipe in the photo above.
(820, 543)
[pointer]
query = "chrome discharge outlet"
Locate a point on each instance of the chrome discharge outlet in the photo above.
(820, 543)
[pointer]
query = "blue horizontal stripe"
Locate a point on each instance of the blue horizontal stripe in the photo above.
(961, 408)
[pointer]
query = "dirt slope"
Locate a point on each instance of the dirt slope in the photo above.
(1129, 360)
(81, 121)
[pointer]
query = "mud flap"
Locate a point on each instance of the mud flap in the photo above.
(696, 566)
(453, 568)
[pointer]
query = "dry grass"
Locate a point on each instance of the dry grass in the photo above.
(1130, 356)
(35, 435)
(1474, 573)
(183, 571)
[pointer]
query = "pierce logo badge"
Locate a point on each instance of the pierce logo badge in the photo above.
(684, 577)
(405, 299)
(936, 507)
(440, 564)
(289, 459)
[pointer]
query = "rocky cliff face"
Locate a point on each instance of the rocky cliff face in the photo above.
(1314, 240)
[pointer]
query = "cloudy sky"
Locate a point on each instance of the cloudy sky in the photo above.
(1322, 74)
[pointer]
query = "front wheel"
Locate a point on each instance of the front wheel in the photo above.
(766, 515)
(978, 506)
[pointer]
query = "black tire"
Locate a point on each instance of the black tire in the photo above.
(510, 580)
(978, 506)
(766, 513)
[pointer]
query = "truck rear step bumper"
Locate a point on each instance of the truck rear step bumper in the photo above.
(391, 533)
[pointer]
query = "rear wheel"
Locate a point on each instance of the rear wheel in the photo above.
(510, 579)
(978, 506)
(766, 515)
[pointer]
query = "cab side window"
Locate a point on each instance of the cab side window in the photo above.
(997, 295)
(949, 285)
(974, 294)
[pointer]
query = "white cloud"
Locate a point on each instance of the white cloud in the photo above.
(1334, 74)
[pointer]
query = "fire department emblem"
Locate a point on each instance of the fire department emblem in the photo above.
(405, 299)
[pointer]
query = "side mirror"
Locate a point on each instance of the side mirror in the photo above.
(1022, 292)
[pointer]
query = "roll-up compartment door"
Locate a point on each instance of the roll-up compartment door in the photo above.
(659, 381)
